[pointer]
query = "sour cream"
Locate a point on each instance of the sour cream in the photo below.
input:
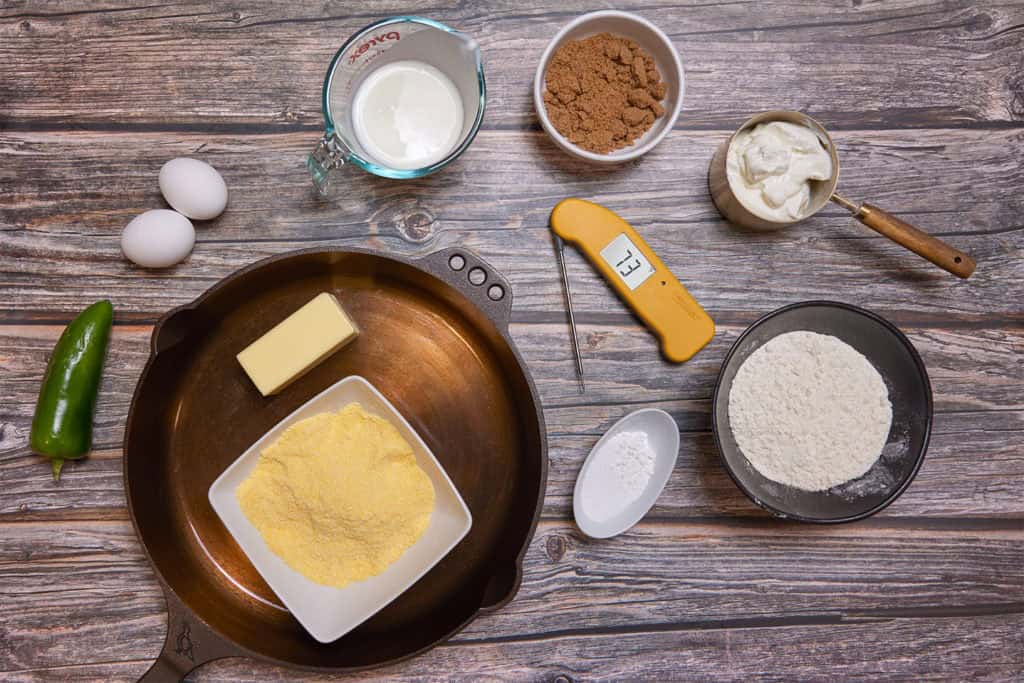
(770, 168)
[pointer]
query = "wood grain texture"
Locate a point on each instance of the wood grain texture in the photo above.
(680, 576)
(61, 225)
(959, 63)
(925, 101)
(927, 649)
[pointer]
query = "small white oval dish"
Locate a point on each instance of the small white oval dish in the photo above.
(663, 435)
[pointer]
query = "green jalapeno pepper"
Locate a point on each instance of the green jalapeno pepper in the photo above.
(62, 424)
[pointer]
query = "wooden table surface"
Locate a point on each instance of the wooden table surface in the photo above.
(926, 104)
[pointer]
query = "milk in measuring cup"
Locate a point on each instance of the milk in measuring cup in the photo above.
(407, 115)
(402, 98)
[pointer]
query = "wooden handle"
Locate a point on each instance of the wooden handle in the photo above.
(917, 241)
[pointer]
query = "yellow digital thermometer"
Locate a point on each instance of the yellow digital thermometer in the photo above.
(637, 274)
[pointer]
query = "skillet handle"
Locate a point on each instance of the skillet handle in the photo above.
(189, 644)
(171, 328)
(502, 587)
(474, 277)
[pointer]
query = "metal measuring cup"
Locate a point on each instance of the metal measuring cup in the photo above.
(901, 232)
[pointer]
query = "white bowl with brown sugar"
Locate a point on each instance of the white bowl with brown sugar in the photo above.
(597, 85)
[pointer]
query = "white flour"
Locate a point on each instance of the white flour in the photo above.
(809, 411)
(618, 475)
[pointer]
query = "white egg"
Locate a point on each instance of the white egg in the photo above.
(193, 188)
(158, 238)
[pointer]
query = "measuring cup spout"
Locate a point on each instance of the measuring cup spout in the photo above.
(328, 156)
(470, 47)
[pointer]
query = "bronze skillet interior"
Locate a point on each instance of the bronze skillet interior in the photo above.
(437, 345)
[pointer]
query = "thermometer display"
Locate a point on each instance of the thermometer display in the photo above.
(623, 257)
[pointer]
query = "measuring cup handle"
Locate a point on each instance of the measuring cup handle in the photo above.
(921, 243)
(328, 156)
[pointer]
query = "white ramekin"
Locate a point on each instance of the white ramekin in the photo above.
(651, 39)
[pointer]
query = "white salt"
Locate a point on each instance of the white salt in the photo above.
(618, 475)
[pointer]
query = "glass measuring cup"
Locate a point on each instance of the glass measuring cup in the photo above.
(454, 54)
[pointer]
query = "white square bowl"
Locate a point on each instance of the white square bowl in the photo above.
(329, 613)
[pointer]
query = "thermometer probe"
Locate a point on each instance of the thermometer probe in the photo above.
(636, 273)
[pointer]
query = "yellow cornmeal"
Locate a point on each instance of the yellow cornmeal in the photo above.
(338, 496)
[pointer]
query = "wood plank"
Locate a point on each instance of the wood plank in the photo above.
(962, 649)
(56, 226)
(957, 63)
(958, 649)
(973, 468)
(933, 649)
(85, 580)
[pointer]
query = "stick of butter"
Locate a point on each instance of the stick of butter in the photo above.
(296, 344)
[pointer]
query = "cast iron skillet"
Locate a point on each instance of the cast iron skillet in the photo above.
(437, 345)
(910, 393)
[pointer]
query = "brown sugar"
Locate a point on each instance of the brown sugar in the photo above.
(603, 92)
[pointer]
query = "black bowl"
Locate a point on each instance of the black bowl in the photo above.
(910, 393)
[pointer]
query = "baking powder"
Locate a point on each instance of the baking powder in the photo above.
(618, 475)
